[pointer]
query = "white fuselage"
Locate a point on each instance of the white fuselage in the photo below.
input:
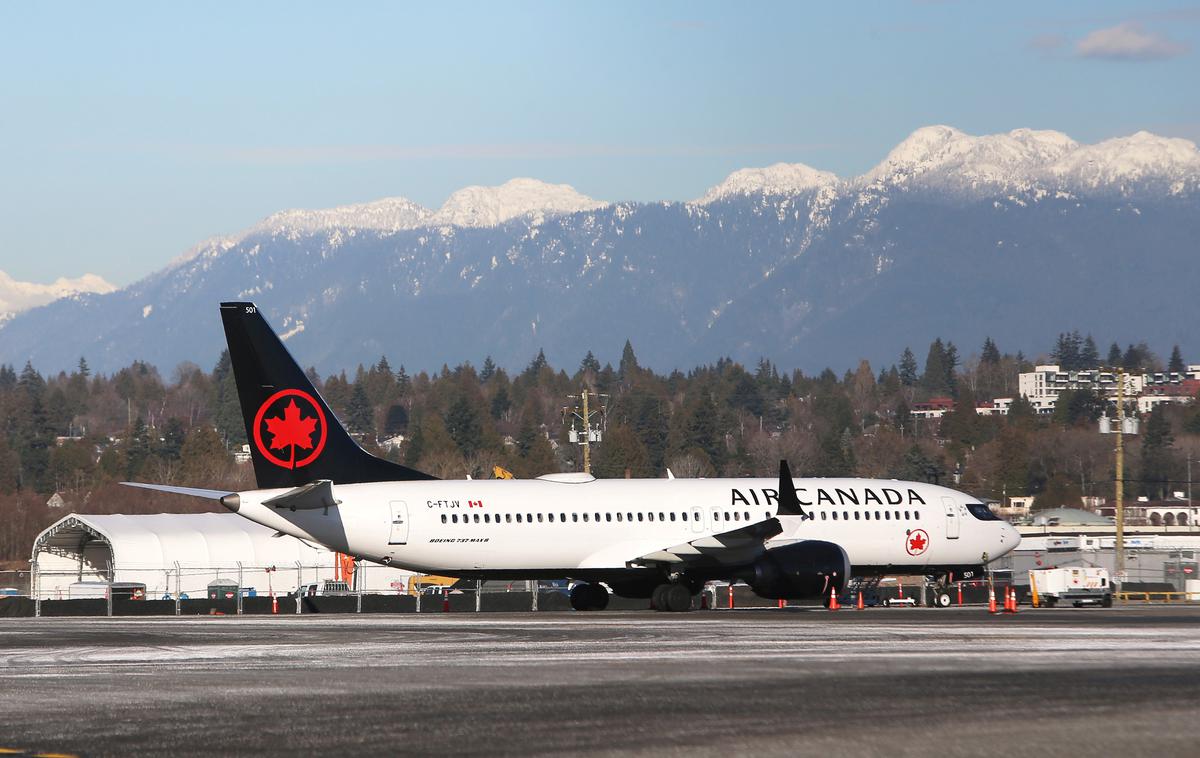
(570, 522)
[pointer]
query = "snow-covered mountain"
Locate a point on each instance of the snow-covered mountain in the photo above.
(1016, 236)
(516, 198)
(16, 296)
(779, 179)
(1024, 159)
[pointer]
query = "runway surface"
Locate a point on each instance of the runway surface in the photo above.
(891, 682)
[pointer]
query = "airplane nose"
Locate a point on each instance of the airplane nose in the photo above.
(1010, 538)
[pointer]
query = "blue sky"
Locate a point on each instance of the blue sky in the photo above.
(128, 133)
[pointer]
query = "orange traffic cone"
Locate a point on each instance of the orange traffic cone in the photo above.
(833, 601)
(274, 603)
(445, 603)
(860, 600)
(960, 594)
(782, 602)
(1012, 600)
(991, 600)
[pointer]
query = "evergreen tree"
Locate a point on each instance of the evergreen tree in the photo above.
(990, 353)
(1157, 460)
(1132, 359)
(939, 378)
(403, 383)
(589, 363)
(500, 403)
(628, 367)
(1089, 355)
(360, 416)
(1175, 364)
(83, 369)
(174, 436)
(488, 370)
(226, 409)
(1114, 355)
(463, 424)
(395, 421)
(908, 368)
(137, 448)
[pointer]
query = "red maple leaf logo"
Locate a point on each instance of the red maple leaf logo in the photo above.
(916, 544)
(291, 430)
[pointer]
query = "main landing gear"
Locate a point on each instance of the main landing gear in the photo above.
(675, 597)
(589, 597)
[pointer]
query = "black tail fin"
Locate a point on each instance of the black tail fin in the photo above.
(294, 436)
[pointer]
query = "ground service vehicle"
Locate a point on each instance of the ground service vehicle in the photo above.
(1083, 585)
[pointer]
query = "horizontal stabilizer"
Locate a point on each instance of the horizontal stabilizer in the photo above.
(311, 496)
(191, 491)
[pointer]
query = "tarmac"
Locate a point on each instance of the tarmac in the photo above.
(886, 682)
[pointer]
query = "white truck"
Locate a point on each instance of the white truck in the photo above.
(1086, 585)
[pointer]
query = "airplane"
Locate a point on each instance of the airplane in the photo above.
(660, 539)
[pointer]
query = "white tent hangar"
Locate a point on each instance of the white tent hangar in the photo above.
(182, 552)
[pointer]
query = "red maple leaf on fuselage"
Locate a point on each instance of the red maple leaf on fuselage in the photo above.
(291, 430)
(917, 544)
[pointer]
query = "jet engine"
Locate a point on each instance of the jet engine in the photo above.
(800, 570)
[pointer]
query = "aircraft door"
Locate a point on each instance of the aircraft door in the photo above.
(697, 519)
(951, 518)
(399, 532)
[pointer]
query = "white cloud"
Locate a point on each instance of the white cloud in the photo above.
(1128, 42)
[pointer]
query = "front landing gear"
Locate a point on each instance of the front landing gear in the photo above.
(589, 597)
(675, 597)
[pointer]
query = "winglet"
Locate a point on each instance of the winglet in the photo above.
(789, 502)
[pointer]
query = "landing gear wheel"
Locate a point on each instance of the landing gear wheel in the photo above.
(599, 597)
(589, 597)
(657, 602)
(942, 600)
(677, 598)
(581, 597)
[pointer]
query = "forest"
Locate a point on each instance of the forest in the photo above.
(72, 437)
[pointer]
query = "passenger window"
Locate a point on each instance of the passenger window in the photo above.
(824, 516)
(737, 516)
(508, 518)
(727, 516)
(585, 518)
(608, 517)
(454, 518)
(876, 515)
(518, 518)
(845, 515)
(747, 515)
(574, 518)
(443, 518)
(476, 518)
(662, 516)
(672, 515)
(597, 517)
(856, 515)
(563, 517)
(551, 518)
(650, 516)
(539, 518)
(917, 515)
(887, 515)
(629, 517)
(906, 515)
(835, 518)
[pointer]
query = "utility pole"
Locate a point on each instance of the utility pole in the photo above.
(583, 413)
(1120, 493)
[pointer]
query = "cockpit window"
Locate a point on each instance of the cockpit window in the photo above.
(982, 512)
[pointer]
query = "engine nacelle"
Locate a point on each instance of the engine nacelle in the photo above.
(801, 570)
